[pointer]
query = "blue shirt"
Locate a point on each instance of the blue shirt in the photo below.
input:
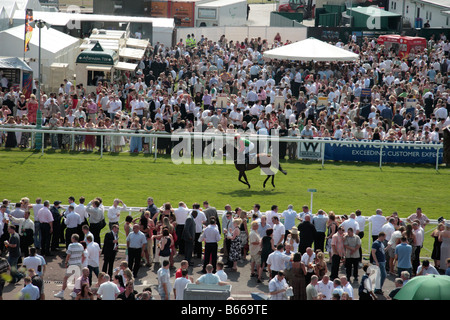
(403, 252)
(29, 292)
(289, 218)
(209, 278)
(136, 240)
(379, 253)
(262, 230)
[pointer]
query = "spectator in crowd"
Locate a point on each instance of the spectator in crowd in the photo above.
(403, 253)
(136, 243)
(352, 243)
(29, 291)
(365, 291)
(419, 234)
(378, 220)
(255, 251)
(426, 268)
(211, 237)
(398, 285)
(108, 290)
(73, 262)
(337, 252)
(307, 234)
(180, 284)
(311, 290)
(320, 223)
(164, 285)
(379, 258)
(278, 287)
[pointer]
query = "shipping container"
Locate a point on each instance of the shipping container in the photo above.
(221, 13)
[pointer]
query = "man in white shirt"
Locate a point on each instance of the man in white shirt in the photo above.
(114, 106)
(81, 210)
(426, 268)
(419, 233)
(325, 287)
(181, 214)
(351, 223)
(388, 229)
(33, 262)
(346, 286)
(377, 221)
(93, 257)
(308, 260)
(270, 214)
(278, 287)
(276, 261)
(180, 284)
(108, 290)
(114, 212)
(199, 222)
(278, 231)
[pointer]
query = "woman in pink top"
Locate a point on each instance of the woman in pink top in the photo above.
(32, 107)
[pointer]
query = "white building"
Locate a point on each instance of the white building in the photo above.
(434, 11)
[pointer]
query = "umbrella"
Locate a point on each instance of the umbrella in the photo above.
(429, 287)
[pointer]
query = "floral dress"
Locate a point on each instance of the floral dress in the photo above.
(235, 249)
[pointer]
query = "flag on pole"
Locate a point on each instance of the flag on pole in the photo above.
(28, 28)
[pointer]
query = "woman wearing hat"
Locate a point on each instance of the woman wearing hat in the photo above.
(293, 239)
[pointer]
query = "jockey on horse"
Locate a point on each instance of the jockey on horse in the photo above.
(244, 146)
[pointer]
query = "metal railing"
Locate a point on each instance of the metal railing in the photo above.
(210, 136)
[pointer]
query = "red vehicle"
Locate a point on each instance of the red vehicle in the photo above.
(402, 45)
(303, 6)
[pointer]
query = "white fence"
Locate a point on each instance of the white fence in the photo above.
(319, 143)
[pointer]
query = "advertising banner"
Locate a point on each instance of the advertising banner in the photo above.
(409, 153)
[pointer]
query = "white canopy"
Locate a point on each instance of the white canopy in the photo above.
(120, 65)
(311, 49)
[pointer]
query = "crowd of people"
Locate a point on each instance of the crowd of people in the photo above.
(228, 86)
(288, 249)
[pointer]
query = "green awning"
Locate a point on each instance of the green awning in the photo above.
(97, 55)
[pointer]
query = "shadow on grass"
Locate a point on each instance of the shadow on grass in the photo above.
(250, 192)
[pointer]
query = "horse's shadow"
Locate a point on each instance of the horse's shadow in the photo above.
(249, 193)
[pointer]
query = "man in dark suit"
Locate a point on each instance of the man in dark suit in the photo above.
(110, 247)
(188, 236)
(211, 212)
(307, 234)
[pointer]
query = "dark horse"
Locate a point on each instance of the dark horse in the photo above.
(263, 161)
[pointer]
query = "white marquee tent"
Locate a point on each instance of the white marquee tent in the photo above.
(56, 47)
(311, 49)
(162, 27)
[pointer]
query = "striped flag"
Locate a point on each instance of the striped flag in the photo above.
(28, 28)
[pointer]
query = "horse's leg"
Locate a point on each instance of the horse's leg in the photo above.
(281, 169)
(273, 178)
(245, 177)
(264, 184)
(242, 174)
